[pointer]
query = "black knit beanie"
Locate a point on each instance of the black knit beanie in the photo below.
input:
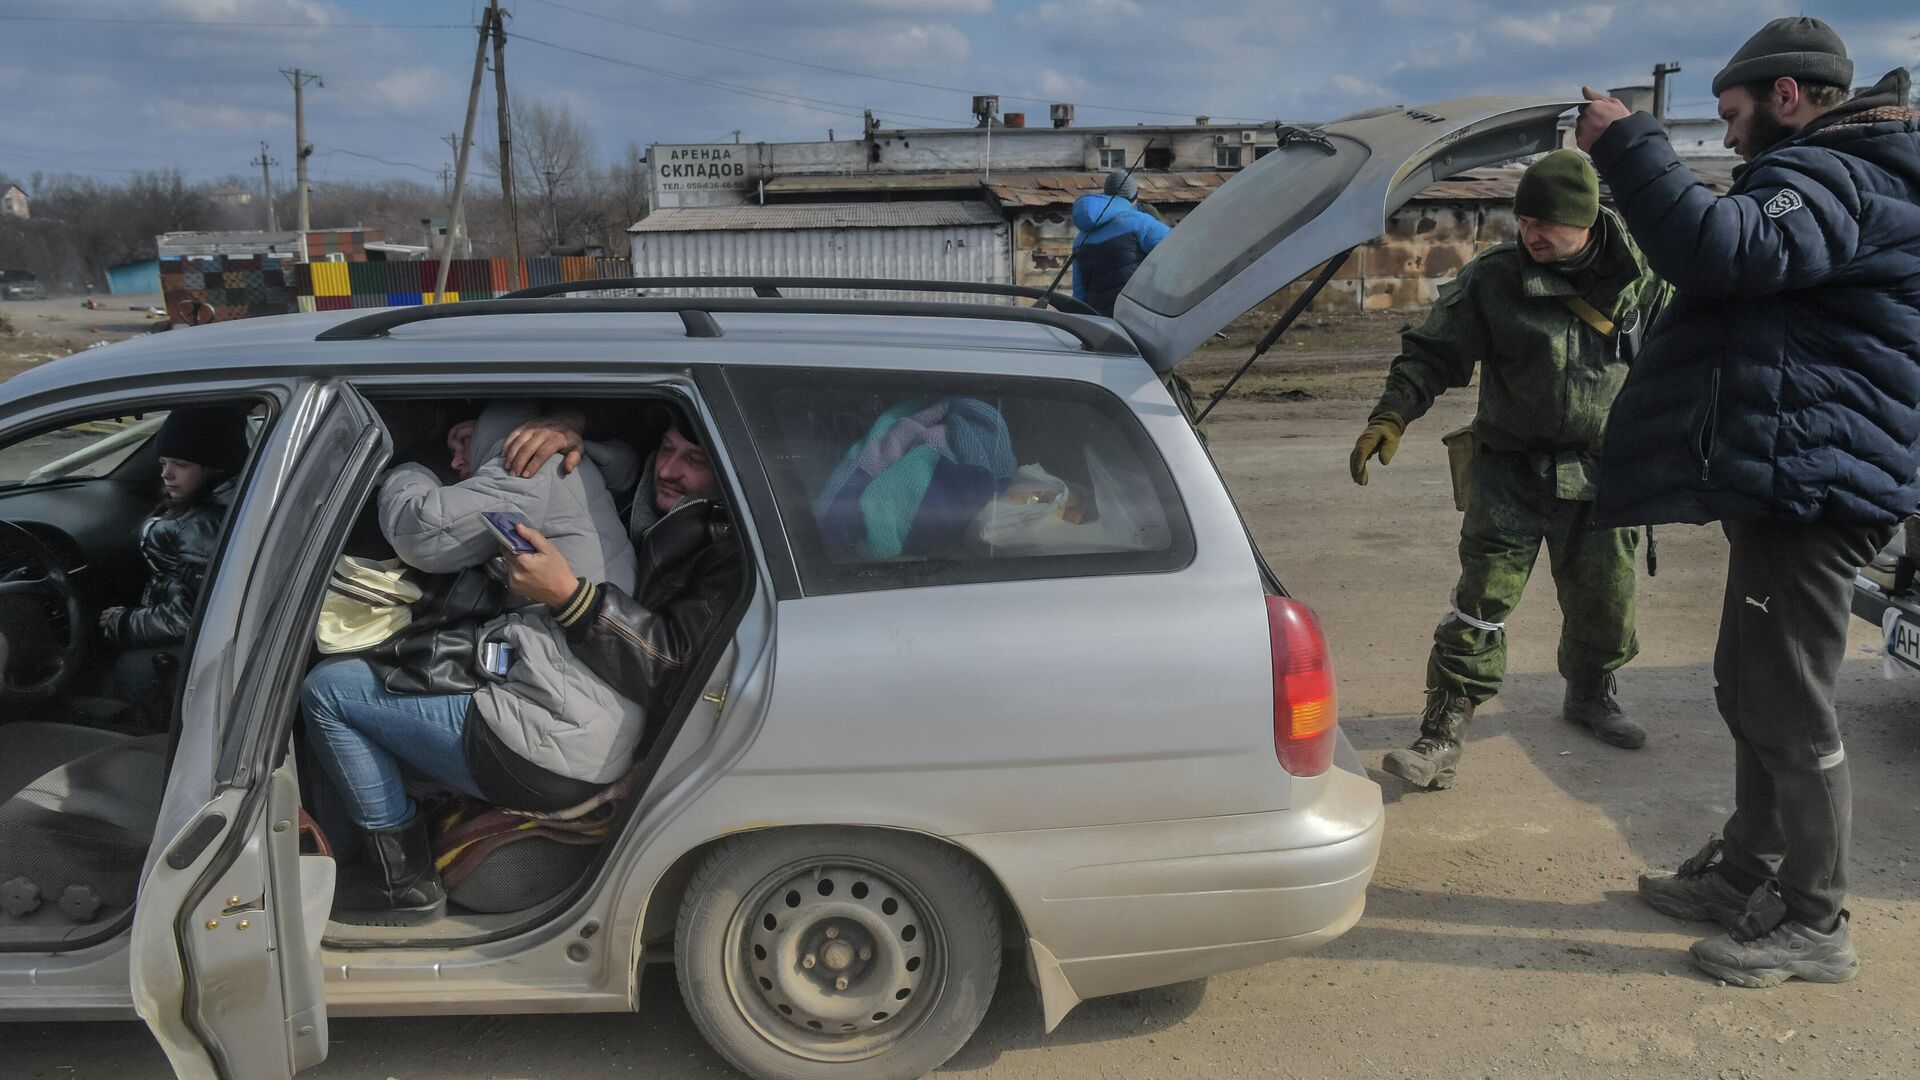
(212, 437)
(1562, 188)
(1797, 47)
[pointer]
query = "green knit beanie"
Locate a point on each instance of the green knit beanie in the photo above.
(1562, 188)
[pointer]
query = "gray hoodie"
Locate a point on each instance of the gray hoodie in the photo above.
(548, 709)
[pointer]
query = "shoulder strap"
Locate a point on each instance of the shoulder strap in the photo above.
(1589, 314)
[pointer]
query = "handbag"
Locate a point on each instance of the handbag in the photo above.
(439, 652)
(367, 602)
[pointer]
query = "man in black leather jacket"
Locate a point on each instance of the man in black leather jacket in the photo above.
(690, 568)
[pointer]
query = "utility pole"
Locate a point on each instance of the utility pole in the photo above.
(266, 184)
(506, 142)
(553, 211)
(1661, 74)
(446, 178)
(455, 219)
(301, 149)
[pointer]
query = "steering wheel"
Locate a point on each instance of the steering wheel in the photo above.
(22, 612)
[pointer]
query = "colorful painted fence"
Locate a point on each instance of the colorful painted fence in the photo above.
(221, 288)
(238, 288)
(337, 286)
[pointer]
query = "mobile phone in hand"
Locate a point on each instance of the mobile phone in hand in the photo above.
(502, 523)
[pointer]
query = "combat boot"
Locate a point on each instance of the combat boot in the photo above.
(1590, 703)
(1429, 763)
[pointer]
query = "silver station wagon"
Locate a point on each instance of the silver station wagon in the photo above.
(1035, 706)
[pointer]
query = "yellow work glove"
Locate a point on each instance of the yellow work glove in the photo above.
(1381, 438)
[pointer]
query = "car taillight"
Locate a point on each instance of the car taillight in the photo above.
(1303, 709)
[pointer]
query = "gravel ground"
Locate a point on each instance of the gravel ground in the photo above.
(1502, 938)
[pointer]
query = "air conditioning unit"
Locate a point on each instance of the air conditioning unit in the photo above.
(1219, 140)
(1101, 142)
(1248, 136)
(986, 106)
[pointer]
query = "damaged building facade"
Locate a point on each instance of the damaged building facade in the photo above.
(994, 202)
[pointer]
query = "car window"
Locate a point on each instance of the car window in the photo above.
(90, 448)
(896, 480)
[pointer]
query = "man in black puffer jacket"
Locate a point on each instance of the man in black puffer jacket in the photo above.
(1780, 395)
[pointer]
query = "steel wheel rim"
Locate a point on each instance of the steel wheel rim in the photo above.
(811, 923)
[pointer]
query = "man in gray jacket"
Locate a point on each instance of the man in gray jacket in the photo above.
(542, 732)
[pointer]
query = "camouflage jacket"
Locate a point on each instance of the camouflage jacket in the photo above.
(1547, 378)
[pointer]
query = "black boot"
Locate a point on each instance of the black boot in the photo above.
(396, 884)
(1429, 762)
(1590, 703)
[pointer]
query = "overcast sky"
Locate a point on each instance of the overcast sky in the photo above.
(144, 84)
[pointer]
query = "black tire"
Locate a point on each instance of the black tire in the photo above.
(909, 924)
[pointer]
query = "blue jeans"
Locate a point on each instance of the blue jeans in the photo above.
(369, 741)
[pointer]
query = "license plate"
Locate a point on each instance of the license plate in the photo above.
(1905, 643)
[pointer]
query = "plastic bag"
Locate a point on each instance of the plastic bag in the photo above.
(1037, 513)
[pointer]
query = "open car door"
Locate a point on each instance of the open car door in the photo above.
(1321, 192)
(226, 932)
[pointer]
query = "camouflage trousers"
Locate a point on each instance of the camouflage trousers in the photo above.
(1514, 503)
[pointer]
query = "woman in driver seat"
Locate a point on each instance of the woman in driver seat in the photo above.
(201, 450)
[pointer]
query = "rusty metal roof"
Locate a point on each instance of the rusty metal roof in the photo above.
(1061, 188)
(1048, 188)
(1499, 184)
(817, 216)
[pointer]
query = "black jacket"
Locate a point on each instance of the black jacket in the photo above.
(177, 550)
(643, 645)
(1783, 383)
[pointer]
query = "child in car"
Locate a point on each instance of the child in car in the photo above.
(201, 450)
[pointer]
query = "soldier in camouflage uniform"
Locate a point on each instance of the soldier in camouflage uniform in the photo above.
(1551, 322)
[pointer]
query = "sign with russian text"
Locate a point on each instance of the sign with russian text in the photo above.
(720, 167)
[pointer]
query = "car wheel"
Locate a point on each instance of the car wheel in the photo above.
(843, 953)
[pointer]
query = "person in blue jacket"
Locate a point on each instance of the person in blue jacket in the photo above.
(1780, 395)
(1115, 237)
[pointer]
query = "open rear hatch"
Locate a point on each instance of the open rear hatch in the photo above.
(1321, 192)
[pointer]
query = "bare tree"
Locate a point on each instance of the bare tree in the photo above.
(553, 159)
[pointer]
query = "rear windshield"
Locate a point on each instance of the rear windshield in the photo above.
(1244, 220)
(891, 480)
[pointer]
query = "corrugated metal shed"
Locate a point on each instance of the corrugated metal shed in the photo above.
(818, 216)
(293, 244)
(943, 241)
(135, 277)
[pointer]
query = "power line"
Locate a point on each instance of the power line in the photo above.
(332, 150)
(235, 22)
(362, 102)
(863, 74)
(815, 104)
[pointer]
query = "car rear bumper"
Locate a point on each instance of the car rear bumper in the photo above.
(1122, 907)
(1871, 602)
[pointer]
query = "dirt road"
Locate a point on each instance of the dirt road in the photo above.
(46, 329)
(1501, 939)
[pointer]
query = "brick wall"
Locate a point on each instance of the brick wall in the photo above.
(1425, 245)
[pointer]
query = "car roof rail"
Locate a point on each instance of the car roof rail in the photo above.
(697, 313)
(768, 286)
